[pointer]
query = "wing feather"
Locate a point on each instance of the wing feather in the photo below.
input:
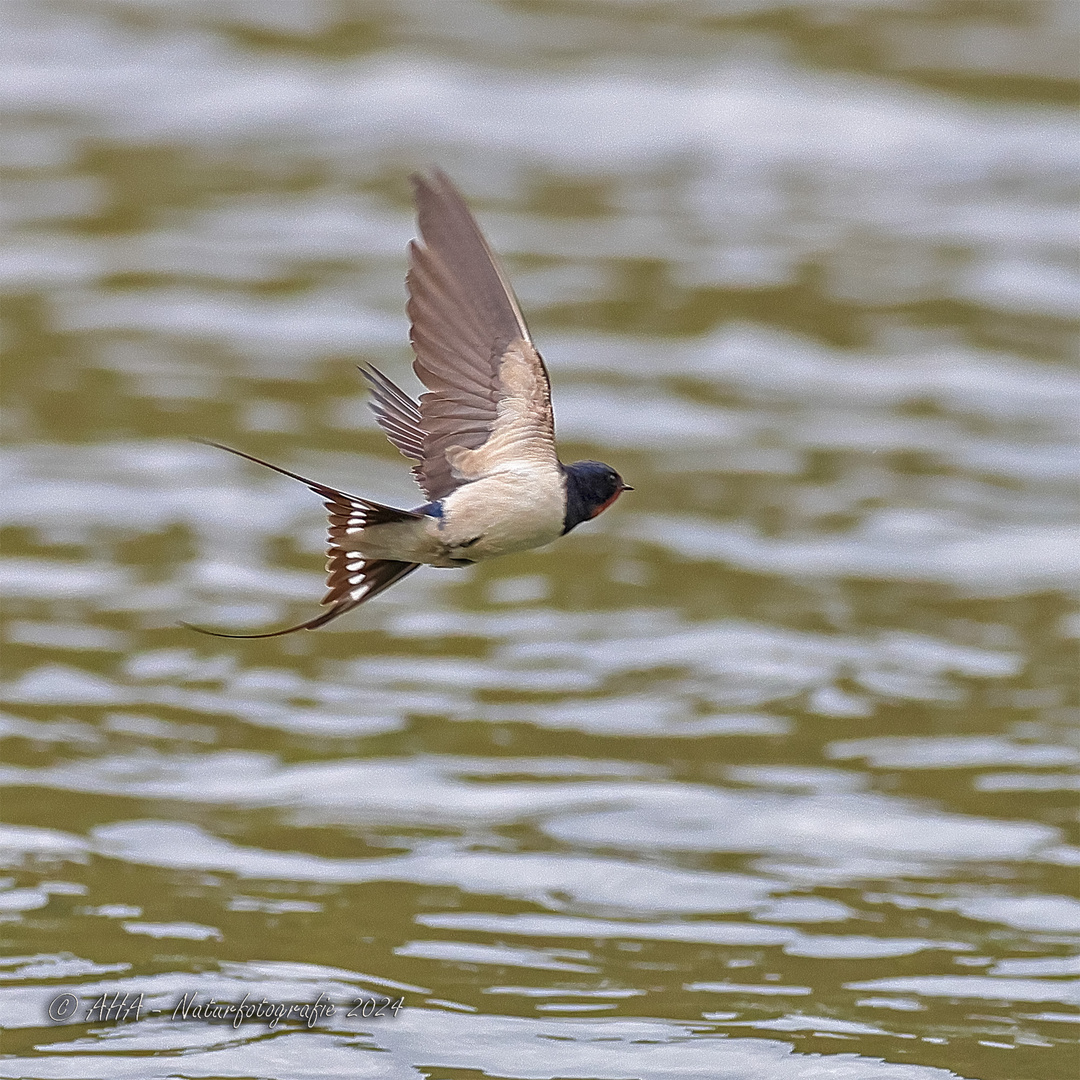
(397, 414)
(465, 323)
(393, 396)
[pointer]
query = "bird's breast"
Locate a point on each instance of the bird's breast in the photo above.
(511, 510)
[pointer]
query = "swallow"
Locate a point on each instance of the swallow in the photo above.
(482, 438)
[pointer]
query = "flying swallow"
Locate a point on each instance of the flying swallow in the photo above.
(482, 437)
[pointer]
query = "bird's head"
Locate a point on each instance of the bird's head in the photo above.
(591, 487)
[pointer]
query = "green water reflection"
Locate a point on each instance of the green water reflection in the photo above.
(777, 758)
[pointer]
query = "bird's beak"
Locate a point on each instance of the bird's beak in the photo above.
(626, 487)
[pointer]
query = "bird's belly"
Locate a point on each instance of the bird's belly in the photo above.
(503, 513)
(493, 516)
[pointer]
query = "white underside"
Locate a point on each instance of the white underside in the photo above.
(512, 510)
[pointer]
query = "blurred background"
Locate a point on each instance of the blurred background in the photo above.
(776, 759)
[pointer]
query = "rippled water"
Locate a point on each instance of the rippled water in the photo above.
(771, 771)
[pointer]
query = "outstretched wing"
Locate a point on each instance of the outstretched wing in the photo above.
(397, 414)
(489, 397)
(351, 579)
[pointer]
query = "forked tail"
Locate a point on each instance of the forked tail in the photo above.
(351, 579)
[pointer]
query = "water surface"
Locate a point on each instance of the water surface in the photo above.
(769, 772)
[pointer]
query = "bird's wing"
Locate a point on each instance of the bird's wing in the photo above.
(351, 579)
(488, 399)
(397, 414)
